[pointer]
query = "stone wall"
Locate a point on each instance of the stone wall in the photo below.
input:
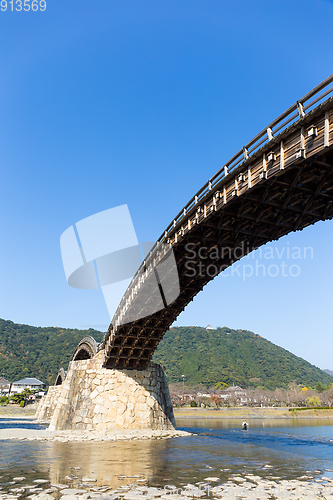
(47, 404)
(101, 399)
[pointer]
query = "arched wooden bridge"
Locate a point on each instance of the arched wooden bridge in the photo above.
(281, 181)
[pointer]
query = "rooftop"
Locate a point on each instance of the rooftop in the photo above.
(28, 381)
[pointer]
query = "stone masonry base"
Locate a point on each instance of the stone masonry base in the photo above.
(101, 399)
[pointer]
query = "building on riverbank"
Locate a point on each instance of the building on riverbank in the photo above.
(27, 383)
(4, 386)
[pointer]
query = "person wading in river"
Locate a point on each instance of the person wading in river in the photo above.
(244, 425)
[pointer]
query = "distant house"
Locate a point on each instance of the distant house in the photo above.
(236, 392)
(234, 388)
(4, 385)
(27, 383)
(209, 327)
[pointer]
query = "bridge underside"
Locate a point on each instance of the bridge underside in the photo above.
(289, 201)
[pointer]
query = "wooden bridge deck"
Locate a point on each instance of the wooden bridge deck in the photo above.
(281, 181)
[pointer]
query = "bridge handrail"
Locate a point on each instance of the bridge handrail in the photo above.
(241, 155)
(292, 114)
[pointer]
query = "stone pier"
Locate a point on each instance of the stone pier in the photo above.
(95, 398)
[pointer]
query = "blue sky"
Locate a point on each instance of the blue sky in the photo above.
(108, 102)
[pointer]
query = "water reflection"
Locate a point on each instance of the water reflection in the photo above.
(107, 461)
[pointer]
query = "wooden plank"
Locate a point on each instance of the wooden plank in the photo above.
(282, 153)
(256, 168)
(315, 147)
(291, 157)
(275, 168)
(291, 145)
(312, 143)
(327, 131)
(229, 188)
(274, 165)
(244, 184)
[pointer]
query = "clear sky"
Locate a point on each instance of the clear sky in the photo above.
(139, 102)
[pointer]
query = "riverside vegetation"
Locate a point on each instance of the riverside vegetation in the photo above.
(296, 397)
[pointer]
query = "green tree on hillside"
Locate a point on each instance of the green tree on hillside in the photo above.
(232, 357)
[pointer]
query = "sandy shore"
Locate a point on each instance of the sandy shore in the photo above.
(16, 418)
(15, 430)
(65, 436)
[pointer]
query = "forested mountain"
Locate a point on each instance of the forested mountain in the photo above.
(330, 372)
(204, 356)
(232, 356)
(28, 351)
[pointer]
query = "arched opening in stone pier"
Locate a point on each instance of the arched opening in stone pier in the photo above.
(82, 354)
(60, 377)
(86, 349)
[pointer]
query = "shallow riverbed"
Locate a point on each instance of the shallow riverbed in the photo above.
(271, 449)
(290, 447)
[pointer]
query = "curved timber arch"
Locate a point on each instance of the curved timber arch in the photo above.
(281, 181)
(60, 377)
(86, 349)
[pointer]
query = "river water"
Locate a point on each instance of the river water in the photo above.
(271, 448)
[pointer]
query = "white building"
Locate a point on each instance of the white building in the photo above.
(4, 385)
(26, 383)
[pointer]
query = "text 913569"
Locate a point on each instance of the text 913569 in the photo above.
(23, 5)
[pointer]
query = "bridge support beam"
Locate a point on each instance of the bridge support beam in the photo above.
(102, 399)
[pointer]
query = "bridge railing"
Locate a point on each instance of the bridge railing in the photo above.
(291, 115)
(297, 111)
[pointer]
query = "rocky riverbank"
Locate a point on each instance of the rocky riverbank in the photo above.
(247, 486)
